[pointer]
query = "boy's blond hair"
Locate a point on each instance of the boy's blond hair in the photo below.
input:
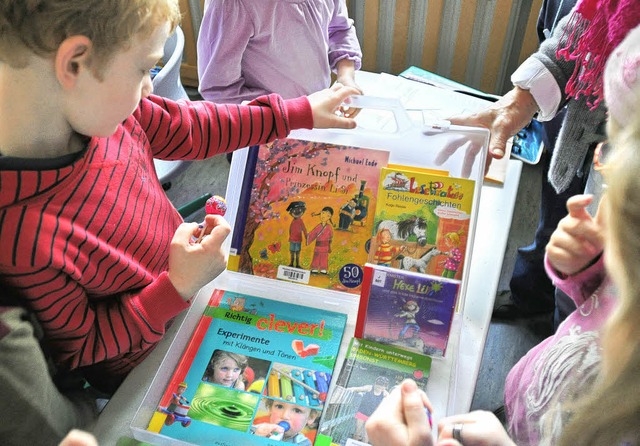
(40, 26)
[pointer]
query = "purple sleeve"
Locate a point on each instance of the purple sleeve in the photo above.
(343, 42)
(224, 35)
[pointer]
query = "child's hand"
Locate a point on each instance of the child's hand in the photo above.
(400, 419)
(267, 429)
(77, 437)
(193, 265)
(325, 105)
(349, 81)
(577, 240)
(478, 428)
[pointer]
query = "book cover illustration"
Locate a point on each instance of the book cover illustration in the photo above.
(422, 221)
(410, 310)
(254, 371)
(309, 213)
(369, 373)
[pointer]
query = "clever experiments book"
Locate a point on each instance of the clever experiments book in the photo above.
(369, 373)
(422, 221)
(306, 213)
(409, 310)
(256, 371)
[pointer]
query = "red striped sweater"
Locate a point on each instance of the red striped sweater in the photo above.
(86, 244)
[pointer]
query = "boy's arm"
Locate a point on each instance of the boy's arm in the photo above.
(33, 411)
(224, 36)
(84, 330)
(201, 129)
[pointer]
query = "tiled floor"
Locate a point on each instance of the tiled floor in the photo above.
(506, 341)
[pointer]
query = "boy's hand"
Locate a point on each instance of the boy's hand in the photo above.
(400, 419)
(478, 428)
(577, 240)
(193, 265)
(325, 105)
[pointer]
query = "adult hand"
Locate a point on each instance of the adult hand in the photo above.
(577, 240)
(478, 428)
(504, 119)
(400, 419)
(453, 142)
(193, 265)
(327, 110)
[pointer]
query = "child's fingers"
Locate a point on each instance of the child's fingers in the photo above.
(216, 230)
(577, 205)
(414, 413)
(184, 232)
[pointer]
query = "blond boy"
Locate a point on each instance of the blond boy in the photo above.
(90, 241)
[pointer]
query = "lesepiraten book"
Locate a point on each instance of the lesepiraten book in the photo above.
(369, 373)
(306, 212)
(255, 371)
(422, 221)
(409, 310)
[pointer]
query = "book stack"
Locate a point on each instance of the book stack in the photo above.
(347, 261)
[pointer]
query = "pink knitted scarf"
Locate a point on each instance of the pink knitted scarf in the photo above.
(594, 30)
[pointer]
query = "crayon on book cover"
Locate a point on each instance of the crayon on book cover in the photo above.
(256, 371)
(409, 310)
(309, 213)
(422, 222)
(369, 373)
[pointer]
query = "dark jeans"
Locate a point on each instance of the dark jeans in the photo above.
(531, 289)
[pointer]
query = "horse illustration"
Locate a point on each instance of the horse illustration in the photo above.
(420, 264)
(401, 230)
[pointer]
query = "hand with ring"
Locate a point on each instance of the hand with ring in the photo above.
(478, 428)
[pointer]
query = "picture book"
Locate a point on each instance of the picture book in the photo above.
(422, 221)
(409, 310)
(306, 211)
(255, 371)
(369, 373)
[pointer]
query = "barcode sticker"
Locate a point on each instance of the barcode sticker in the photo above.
(293, 274)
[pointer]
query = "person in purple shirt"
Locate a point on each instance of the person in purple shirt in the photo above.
(248, 48)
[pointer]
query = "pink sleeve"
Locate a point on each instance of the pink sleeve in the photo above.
(579, 286)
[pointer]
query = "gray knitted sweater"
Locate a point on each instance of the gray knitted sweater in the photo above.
(581, 127)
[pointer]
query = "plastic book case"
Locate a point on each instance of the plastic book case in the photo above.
(459, 150)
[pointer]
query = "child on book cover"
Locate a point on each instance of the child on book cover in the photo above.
(177, 399)
(408, 313)
(453, 254)
(226, 369)
(286, 422)
(323, 235)
(385, 252)
(297, 230)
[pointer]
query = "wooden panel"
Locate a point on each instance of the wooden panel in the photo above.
(400, 36)
(432, 35)
(370, 44)
(495, 49)
(463, 42)
(189, 68)
(530, 42)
